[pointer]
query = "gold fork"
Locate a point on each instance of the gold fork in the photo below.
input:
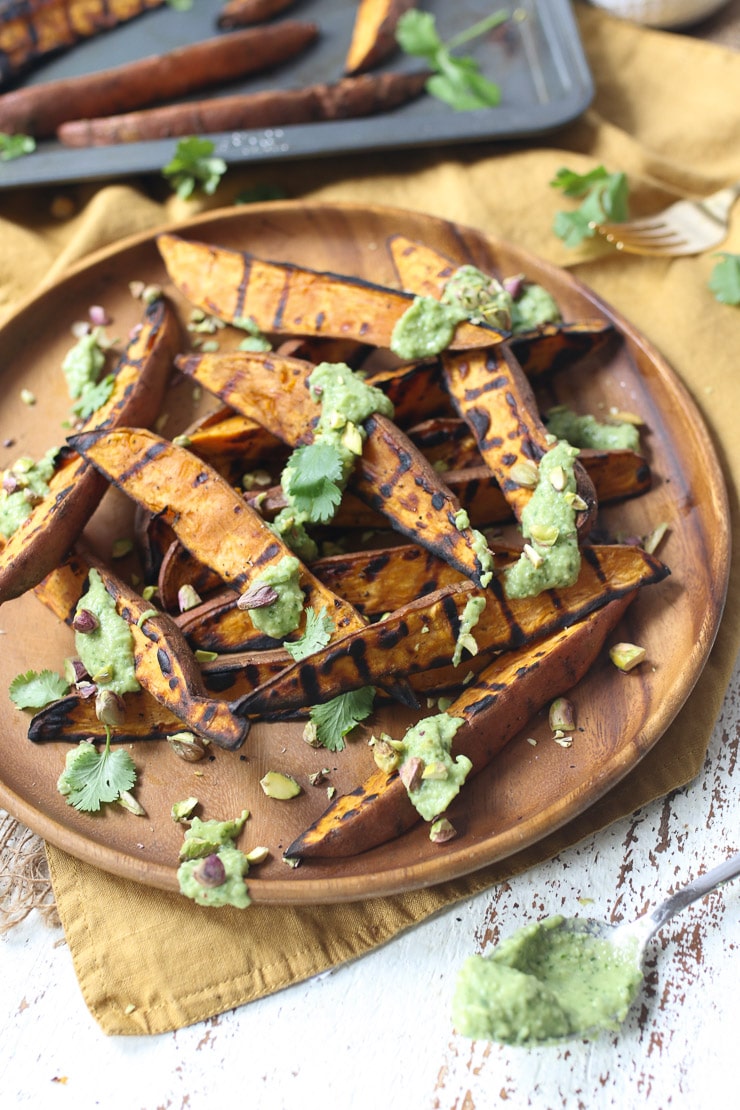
(686, 227)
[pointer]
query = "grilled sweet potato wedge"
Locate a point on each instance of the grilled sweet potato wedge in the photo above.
(291, 300)
(422, 635)
(492, 394)
(75, 489)
(374, 33)
(243, 13)
(72, 718)
(494, 708)
(350, 98)
(210, 518)
(31, 30)
(40, 109)
(391, 475)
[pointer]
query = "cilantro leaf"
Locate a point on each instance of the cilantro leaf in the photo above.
(91, 778)
(34, 689)
(605, 198)
(724, 280)
(15, 146)
(319, 627)
(456, 81)
(311, 479)
(334, 719)
(93, 397)
(193, 166)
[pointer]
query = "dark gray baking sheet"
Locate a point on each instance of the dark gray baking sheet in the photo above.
(539, 64)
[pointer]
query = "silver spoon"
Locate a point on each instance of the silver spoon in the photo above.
(631, 938)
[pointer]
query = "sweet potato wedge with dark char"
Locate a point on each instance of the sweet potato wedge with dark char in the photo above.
(494, 708)
(31, 30)
(390, 475)
(351, 98)
(210, 517)
(73, 718)
(374, 33)
(291, 300)
(39, 110)
(75, 489)
(492, 394)
(245, 13)
(422, 635)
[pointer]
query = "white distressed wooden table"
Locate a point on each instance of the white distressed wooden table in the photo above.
(377, 1032)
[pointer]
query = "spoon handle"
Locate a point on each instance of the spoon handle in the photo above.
(730, 869)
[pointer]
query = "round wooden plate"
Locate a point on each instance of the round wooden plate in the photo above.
(531, 790)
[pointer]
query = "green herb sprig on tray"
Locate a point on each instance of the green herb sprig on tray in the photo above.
(334, 719)
(37, 689)
(604, 198)
(91, 777)
(194, 167)
(319, 627)
(15, 146)
(457, 81)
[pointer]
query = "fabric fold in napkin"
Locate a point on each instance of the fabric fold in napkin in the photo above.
(149, 961)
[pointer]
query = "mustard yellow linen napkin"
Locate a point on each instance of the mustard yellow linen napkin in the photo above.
(149, 961)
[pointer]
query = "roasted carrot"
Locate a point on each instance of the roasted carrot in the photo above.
(284, 299)
(75, 489)
(374, 33)
(243, 13)
(494, 708)
(348, 99)
(39, 109)
(31, 30)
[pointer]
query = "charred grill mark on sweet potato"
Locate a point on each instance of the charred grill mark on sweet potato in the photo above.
(511, 417)
(494, 708)
(73, 718)
(238, 547)
(231, 284)
(422, 635)
(44, 538)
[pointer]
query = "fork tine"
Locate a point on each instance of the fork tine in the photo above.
(664, 237)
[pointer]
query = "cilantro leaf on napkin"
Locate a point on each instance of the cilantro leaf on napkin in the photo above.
(605, 198)
(724, 280)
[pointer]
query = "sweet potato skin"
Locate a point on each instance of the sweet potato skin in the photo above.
(350, 98)
(495, 707)
(243, 13)
(39, 110)
(284, 299)
(44, 538)
(374, 33)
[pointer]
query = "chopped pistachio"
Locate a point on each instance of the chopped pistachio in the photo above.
(652, 541)
(562, 740)
(626, 656)
(203, 656)
(534, 556)
(147, 615)
(279, 786)
(622, 416)
(352, 439)
(104, 675)
(435, 771)
(318, 777)
(183, 811)
(291, 861)
(187, 746)
(311, 735)
(544, 534)
(411, 773)
(85, 621)
(181, 441)
(121, 548)
(442, 831)
(557, 478)
(148, 592)
(129, 802)
(27, 397)
(257, 855)
(258, 597)
(210, 871)
(386, 758)
(110, 708)
(525, 473)
(561, 715)
(330, 792)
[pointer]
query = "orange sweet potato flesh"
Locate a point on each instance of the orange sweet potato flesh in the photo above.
(422, 634)
(75, 489)
(391, 475)
(492, 394)
(39, 109)
(374, 33)
(210, 517)
(350, 98)
(290, 300)
(494, 708)
(32, 29)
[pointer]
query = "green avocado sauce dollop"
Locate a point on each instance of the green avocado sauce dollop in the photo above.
(283, 615)
(205, 838)
(549, 525)
(31, 484)
(544, 983)
(430, 740)
(587, 431)
(109, 649)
